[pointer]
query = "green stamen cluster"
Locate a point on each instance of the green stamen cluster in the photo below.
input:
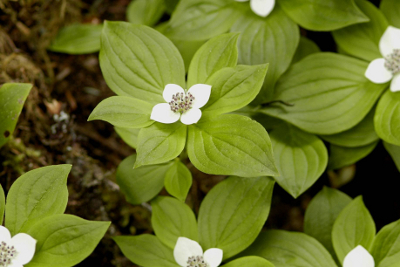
(181, 102)
(7, 254)
(392, 62)
(196, 261)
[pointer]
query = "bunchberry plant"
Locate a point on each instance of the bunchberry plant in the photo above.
(220, 232)
(339, 231)
(387, 68)
(149, 80)
(374, 42)
(36, 232)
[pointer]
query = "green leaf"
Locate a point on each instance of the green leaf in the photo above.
(391, 10)
(328, 94)
(394, 152)
(270, 40)
(234, 212)
(290, 249)
(65, 240)
(146, 250)
(386, 246)
(301, 158)
(321, 214)
(2, 204)
(252, 261)
(12, 99)
(178, 180)
(306, 47)
(234, 88)
(123, 111)
(160, 143)
(323, 15)
(187, 49)
(345, 156)
(129, 136)
(198, 20)
(171, 219)
(140, 184)
(138, 61)
(36, 195)
(354, 226)
(171, 4)
(362, 40)
(360, 135)
(217, 53)
(147, 12)
(387, 118)
(77, 39)
(231, 145)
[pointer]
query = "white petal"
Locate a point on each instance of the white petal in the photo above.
(191, 116)
(186, 248)
(201, 93)
(170, 90)
(15, 264)
(395, 84)
(262, 7)
(377, 72)
(25, 245)
(163, 113)
(4, 234)
(213, 256)
(390, 40)
(358, 257)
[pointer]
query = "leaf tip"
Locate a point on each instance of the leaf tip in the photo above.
(92, 116)
(66, 167)
(137, 165)
(234, 36)
(295, 195)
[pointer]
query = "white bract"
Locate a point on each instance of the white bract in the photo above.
(15, 251)
(359, 257)
(261, 7)
(188, 253)
(181, 104)
(382, 70)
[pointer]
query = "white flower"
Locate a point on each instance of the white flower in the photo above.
(261, 7)
(358, 257)
(189, 253)
(15, 251)
(382, 70)
(181, 104)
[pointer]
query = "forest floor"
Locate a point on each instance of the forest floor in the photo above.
(74, 85)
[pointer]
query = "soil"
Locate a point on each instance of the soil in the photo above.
(74, 85)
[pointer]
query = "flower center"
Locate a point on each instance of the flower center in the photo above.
(181, 102)
(196, 261)
(392, 62)
(7, 254)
